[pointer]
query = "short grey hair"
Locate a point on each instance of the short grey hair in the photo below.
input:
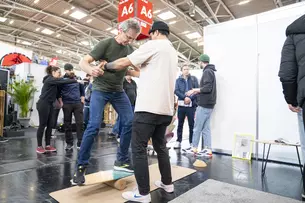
(131, 24)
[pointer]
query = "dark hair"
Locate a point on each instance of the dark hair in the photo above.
(88, 75)
(51, 69)
(163, 32)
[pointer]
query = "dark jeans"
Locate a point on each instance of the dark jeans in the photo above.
(117, 128)
(45, 113)
(55, 118)
(146, 126)
(122, 106)
(77, 110)
(183, 112)
(86, 113)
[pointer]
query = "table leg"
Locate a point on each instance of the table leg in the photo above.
(299, 160)
(263, 159)
(264, 170)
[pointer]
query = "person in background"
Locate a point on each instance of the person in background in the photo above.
(73, 99)
(207, 94)
(130, 88)
(108, 87)
(45, 106)
(292, 72)
(88, 92)
(186, 104)
(58, 104)
(87, 80)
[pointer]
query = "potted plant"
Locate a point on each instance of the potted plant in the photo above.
(22, 93)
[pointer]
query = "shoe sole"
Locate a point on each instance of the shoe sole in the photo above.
(40, 152)
(74, 183)
(116, 168)
(158, 186)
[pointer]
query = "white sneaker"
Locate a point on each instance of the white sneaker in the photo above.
(167, 188)
(136, 197)
(189, 150)
(177, 145)
(205, 153)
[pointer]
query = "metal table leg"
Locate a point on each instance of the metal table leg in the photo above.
(264, 169)
(299, 160)
(263, 158)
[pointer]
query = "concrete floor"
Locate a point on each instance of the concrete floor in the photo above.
(28, 177)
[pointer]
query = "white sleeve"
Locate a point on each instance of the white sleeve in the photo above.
(141, 55)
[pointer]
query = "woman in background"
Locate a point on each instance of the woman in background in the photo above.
(45, 106)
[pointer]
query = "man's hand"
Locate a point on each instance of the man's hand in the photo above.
(294, 109)
(82, 99)
(97, 71)
(187, 100)
(189, 93)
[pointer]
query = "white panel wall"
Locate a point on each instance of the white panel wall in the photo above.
(232, 47)
(241, 49)
(8, 48)
(275, 119)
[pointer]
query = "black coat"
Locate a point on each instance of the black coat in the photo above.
(292, 69)
(208, 91)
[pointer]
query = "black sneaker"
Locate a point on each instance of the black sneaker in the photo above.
(79, 176)
(69, 146)
(120, 166)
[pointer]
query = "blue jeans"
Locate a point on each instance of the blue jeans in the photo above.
(117, 128)
(122, 106)
(202, 126)
(301, 133)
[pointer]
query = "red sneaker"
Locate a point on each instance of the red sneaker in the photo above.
(50, 149)
(40, 150)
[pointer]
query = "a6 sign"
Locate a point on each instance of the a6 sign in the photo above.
(144, 11)
(126, 10)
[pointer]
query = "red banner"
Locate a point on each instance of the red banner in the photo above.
(144, 11)
(126, 10)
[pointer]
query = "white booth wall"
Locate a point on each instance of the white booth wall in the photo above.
(8, 48)
(247, 54)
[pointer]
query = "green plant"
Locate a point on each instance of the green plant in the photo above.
(22, 93)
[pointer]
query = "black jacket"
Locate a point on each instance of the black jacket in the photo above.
(292, 68)
(131, 91)
(180, 88)
(49, 91)
(208, 93)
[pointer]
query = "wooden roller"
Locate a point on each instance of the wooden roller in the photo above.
(117, 184)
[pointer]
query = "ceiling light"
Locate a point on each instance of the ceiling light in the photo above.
(75, 41)
(244, 2)
(2, 19)
(26, 43)
(36, 1)
(115, 31)
(200, 44)
(193, 35)
(78, 15)
(86, 43)
(166, 15)
(109, 28)
(12, 21)
(58, 35)
(37, 29)
(18, 40)
(185, 32)
(47, 31)
(66, 11)
(72, 7)
(89, 21)
(172, 22)
(157, 11)
(59, 51)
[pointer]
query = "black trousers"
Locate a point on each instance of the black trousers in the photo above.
(183, 112)
(77, 110)
(146, 126)
(45, 113)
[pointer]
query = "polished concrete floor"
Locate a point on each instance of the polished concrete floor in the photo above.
(28, 177)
